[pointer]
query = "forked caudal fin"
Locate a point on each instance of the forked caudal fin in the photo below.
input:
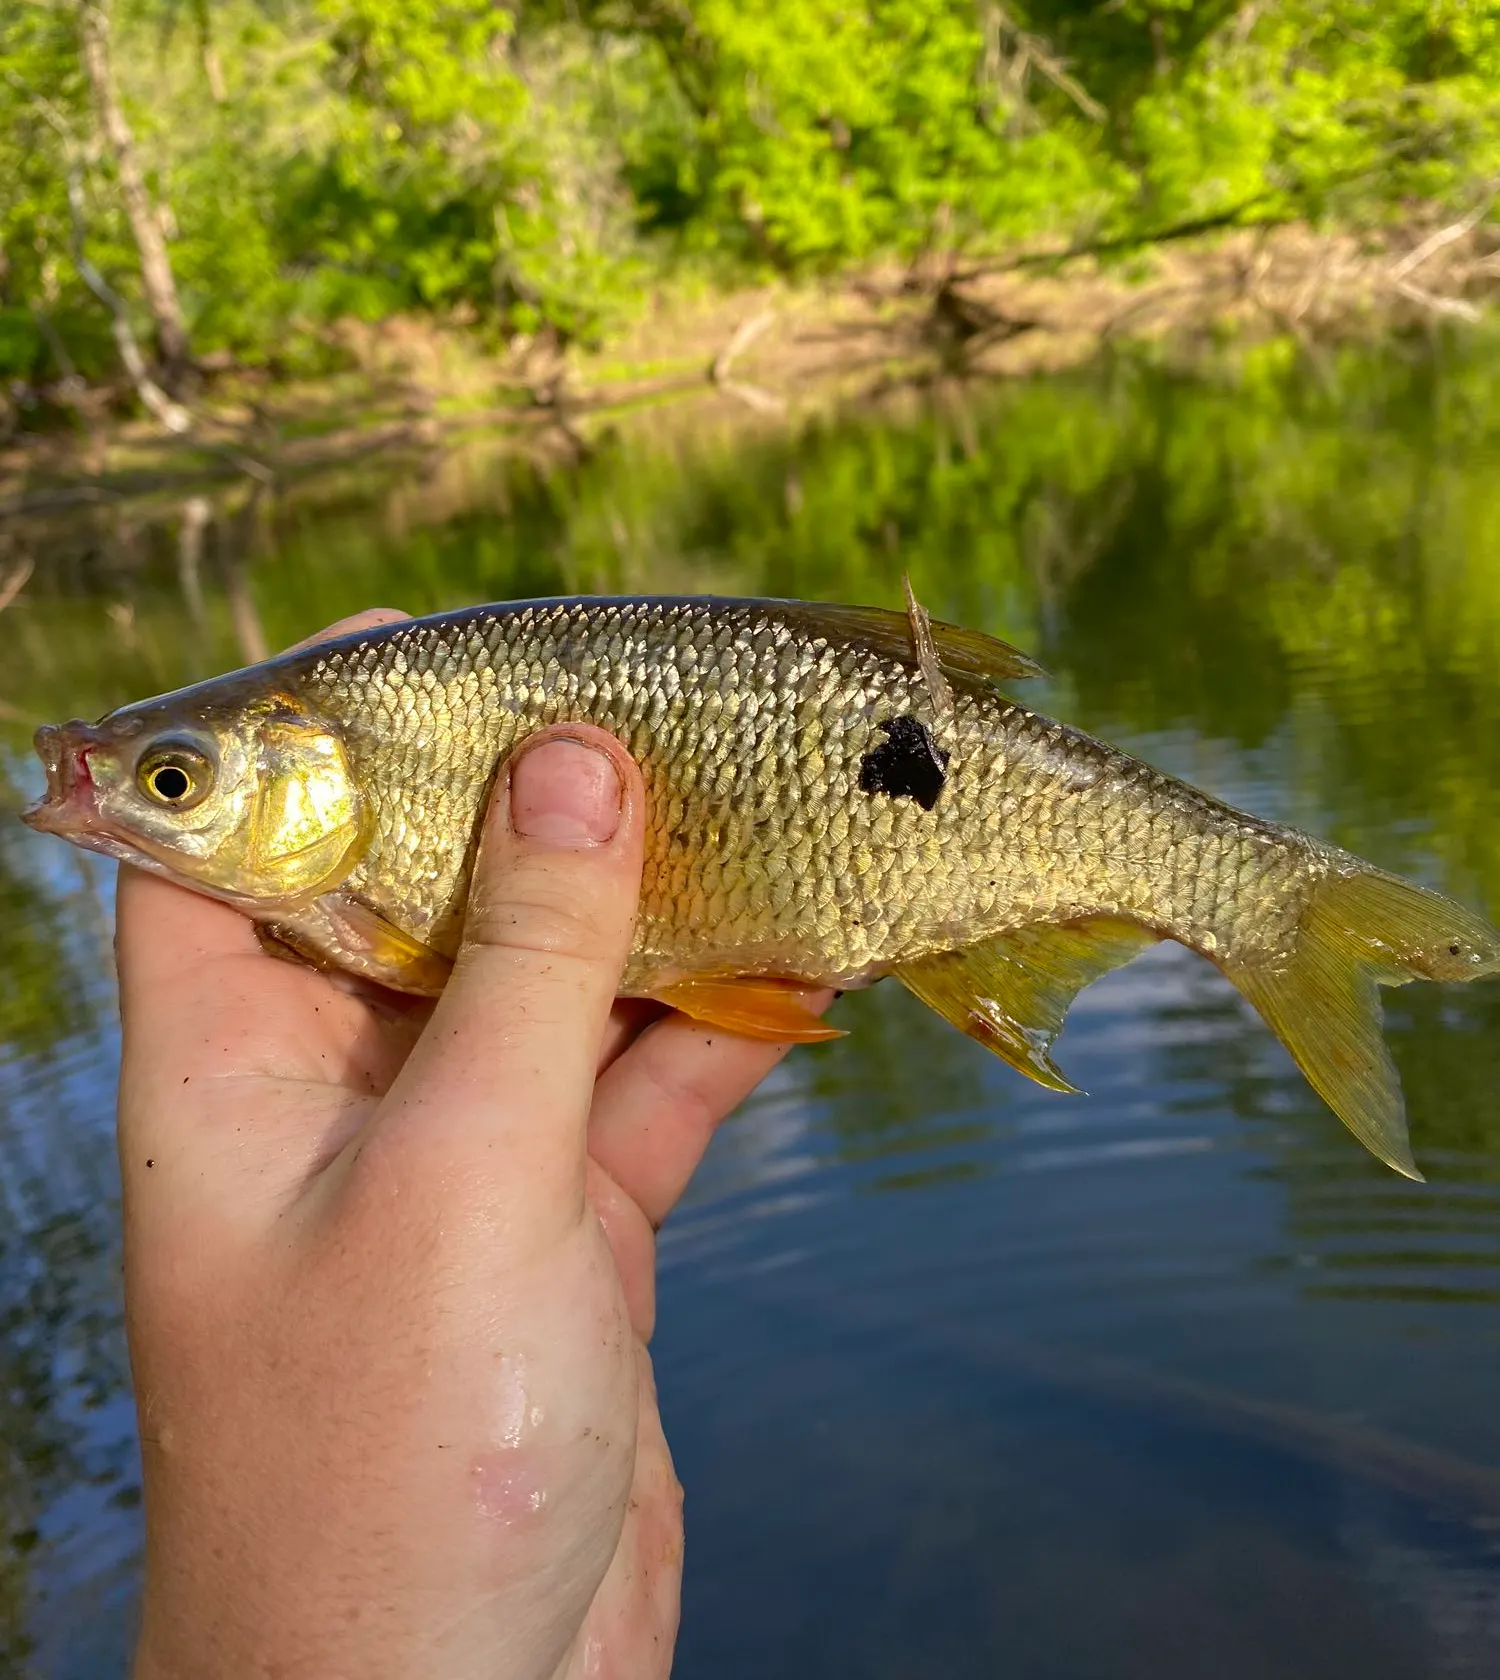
(1361, 931)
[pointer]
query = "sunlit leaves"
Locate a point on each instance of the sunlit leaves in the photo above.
(1355, 109)
(529, 167)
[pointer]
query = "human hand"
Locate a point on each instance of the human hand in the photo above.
(390, 1271)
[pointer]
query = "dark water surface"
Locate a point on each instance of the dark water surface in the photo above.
(964, 1378)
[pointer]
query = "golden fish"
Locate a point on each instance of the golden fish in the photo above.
(835, 793)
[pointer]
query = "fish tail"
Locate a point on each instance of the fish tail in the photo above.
(1360, 931)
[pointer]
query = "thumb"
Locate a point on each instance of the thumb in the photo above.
(496, 1095)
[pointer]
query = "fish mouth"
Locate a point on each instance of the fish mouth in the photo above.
(68, 807)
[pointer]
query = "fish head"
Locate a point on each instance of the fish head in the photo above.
(251, 802)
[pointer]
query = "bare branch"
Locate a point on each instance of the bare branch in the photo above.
(740, 340)
(158, 283)
(14, 580)
(1435, 242)
(1245, 20)
(171, 414)
(1438, 305)
(1223, 220)
(754, 396)
(1033, 50)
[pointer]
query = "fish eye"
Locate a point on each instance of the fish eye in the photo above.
(176, 775)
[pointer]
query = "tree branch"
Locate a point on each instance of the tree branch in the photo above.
(1435, 242)
(171, 414)
(1033, 50)
(1130, 241)
(157, 280)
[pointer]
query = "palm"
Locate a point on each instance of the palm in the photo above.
(287, 1065)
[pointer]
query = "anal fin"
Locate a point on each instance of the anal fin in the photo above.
(1012, 992)
(772, 1010)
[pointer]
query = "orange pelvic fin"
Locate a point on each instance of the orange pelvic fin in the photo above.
(773, 1010)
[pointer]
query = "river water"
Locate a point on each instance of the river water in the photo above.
(964, 1378)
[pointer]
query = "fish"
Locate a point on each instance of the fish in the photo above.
(835, 794)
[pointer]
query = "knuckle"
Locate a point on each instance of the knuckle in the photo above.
(543, 917)
(696, 1086)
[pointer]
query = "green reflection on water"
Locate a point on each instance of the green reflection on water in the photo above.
(42, 994)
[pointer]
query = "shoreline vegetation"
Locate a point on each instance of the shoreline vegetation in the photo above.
(253, 240)
(770, 354)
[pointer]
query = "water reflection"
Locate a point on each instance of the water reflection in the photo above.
(67, 1454)
(963, 1352)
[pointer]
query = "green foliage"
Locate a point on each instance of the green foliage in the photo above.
(1354, 110)
(417, 163)
(311, 160)
(531, 168)
(41, 98)
(824, 132)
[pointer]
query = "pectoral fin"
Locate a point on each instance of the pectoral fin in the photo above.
(1011, 993)
(772, 1010)
(340, 931)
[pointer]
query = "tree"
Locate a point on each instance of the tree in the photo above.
(158, 286)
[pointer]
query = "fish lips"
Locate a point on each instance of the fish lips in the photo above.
(69, 806)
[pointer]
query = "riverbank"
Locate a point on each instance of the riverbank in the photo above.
(410, 385)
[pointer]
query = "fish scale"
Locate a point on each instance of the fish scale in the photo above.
(771, 768)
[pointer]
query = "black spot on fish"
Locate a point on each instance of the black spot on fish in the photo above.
(907, 765)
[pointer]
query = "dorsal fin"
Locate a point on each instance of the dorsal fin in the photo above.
(967, 657)
(922, 639)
